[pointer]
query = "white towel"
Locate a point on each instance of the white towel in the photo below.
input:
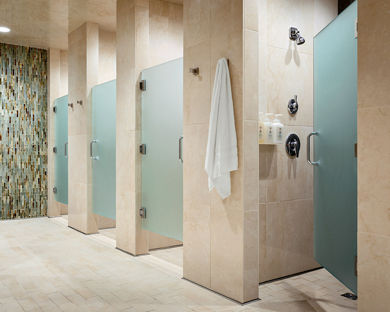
(221, 154)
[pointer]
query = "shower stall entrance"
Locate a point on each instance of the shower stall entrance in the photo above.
(61, 150)
(162, 149)
(103, 149)
(335, 137)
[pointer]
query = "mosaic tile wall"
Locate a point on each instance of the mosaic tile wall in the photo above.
(23, 132)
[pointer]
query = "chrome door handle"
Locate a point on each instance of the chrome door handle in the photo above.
(308, 149)
(181, 149)
(66, 149)
(90, 150)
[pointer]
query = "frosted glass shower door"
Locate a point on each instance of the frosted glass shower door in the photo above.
(61, 146)
(162, 168)
(335, 119)
(103, 149)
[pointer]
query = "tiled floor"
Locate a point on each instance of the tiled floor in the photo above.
(46, 266)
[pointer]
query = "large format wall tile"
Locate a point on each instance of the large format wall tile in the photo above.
(374, 198)
(23, 132)
(373, 272)
(197, 203)
(289, 72)
(286, 238)
(284, 14)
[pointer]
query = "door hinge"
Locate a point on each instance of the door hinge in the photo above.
(54, 109)
(55, 190)
(142, 149)
(142, 85)
(356, 28)
(54, 149)
(356, 268)
(142, 212)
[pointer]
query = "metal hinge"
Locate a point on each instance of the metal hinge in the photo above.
(55, 190)
(54, 149)
(142, 149)
(54, 109)
(142, 212)
(356, 268)
(142, 85)
(356, 28)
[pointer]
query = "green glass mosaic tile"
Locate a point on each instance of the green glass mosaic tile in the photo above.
(23, 132)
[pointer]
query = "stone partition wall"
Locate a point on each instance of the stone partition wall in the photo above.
(286, 185)
(83, 72)
(221, 236)
(23, 132)
(373, 156)
(57, 87)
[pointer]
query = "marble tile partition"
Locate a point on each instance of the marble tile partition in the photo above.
(107, 55)
(373, 156)
(83, 74)
(132, 41)
(57, 87)
(286, 185)
(221, 236)
(149, 32)
(23, 132)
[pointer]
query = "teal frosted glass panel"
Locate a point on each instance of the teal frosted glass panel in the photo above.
(335, 119)
(104, 149)
(162, 169)
(61, 144)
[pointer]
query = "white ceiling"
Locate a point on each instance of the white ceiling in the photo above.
(46, 23)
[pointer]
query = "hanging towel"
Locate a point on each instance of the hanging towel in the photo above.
(221, 154)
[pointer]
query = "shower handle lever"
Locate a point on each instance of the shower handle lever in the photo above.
(308, 147)
(90, 150)
(181, 149)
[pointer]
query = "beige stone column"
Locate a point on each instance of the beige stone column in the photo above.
(373, 156)
(83, 65)
(54, 82)
(132, 56)
(221, 236)
(57, 87)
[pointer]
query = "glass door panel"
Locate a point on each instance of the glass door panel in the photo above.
(103, 149)
(335, 119)
(61, 145)
(162, 168)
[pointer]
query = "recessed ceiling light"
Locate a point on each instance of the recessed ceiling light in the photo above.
(4, 29)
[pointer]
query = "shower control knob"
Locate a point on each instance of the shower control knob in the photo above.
(293, 105)
(293, 145)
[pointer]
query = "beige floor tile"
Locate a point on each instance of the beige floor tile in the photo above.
(46, 266)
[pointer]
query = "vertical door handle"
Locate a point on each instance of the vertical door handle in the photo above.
(66, 150)
(308, 149)
(90, 150)
(181, 149)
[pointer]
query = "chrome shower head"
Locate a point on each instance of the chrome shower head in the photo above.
(295, 35)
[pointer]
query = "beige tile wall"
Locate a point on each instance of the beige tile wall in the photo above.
(107, 55)
(373, 155)
(286, 185)
(83, 71)
(57, 87)
(220, 236)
